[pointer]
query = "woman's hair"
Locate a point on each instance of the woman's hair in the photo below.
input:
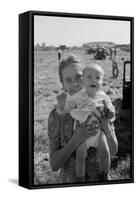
(65, 63)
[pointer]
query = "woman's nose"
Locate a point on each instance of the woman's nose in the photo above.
(93, 80)
(75, 83)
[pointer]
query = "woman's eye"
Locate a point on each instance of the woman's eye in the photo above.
(78, 77)
(68, 80)
(89, 77)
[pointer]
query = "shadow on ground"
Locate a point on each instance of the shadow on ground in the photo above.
(14, 181)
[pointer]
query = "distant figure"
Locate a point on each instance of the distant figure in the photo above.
(114, 58)
(111, 53)
(115, 70)
(115, 52)
(59, 54)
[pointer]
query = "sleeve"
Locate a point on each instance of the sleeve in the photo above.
(54, 132)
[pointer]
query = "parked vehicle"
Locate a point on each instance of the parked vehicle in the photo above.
(100, 54)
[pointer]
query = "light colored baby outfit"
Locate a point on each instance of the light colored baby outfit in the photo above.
(80, 106)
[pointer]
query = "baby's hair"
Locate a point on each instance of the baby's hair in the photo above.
(65, 63)
(94, 66)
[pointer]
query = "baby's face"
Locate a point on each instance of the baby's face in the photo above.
(92, 80)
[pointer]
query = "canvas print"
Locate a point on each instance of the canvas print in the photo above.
(82, 100)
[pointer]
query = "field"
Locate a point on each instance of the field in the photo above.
(47, 86)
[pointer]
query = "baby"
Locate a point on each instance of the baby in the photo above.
(83, 106)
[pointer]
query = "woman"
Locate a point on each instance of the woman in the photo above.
(63, 140)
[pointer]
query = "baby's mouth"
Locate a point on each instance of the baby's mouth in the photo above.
(93, 86)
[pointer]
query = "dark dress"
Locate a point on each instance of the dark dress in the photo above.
(60, 130)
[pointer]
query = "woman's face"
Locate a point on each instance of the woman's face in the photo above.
(72, 79)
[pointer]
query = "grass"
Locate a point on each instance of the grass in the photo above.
(47, 86)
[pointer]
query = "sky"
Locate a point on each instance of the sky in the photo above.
(77, 31)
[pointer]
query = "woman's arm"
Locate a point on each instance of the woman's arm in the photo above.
(107, 124)
(108, 129)
(59, 155)
(111, 139)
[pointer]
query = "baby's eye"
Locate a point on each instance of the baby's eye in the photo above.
(89, 77)
(98, 78)
(68, 80)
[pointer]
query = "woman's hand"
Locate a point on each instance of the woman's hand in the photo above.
(61, 99)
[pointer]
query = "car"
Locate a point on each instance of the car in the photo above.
(100, 54)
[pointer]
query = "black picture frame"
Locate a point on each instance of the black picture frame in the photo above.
(26, 96)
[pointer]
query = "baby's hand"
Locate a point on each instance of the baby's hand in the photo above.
(61, 99)
(108, 111)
